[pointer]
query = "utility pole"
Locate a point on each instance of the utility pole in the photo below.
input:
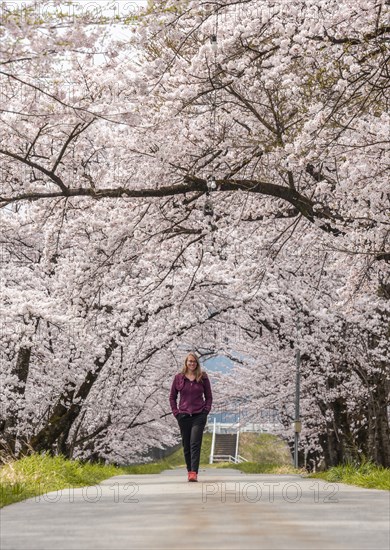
(297, 421)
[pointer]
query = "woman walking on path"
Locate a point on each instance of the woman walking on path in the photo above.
(191, 414)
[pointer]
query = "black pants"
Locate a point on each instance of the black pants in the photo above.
(191, 429)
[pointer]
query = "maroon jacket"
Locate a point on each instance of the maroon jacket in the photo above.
(191, 395)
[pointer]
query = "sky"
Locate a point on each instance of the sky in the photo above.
(218, 364)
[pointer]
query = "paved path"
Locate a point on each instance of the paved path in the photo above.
(225, 510)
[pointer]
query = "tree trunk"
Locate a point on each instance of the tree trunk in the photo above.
(9, 434)
(378, 422)
(57, 429)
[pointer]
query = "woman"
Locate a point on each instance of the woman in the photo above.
(192, 383)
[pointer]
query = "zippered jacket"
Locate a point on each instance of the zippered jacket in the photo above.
(195, 397)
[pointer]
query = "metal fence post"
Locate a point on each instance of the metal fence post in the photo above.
(213, 442)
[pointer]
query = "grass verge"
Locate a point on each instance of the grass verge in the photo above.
(37, 474)
(366, 475)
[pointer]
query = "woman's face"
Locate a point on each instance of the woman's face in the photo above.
(191, 363)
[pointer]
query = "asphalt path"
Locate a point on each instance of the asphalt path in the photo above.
(226, 509)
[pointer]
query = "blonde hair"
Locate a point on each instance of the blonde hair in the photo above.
(199, 374)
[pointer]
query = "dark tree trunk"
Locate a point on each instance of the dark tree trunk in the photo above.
(379, 390)
(337, 442)
(56, 431)
(378, 422)
(10, 423)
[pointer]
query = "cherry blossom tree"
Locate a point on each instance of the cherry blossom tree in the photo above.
(224, 164)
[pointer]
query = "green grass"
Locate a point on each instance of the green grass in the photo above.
(264, 449)
(266, 454)
(150, 468)
(40, 473)
(366, 475)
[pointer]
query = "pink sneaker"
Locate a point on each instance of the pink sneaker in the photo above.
(192, 476)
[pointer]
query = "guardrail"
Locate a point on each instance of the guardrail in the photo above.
(233, 427)
(241, 459)
(229, 458)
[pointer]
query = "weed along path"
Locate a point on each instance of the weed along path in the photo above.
(226, 509)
